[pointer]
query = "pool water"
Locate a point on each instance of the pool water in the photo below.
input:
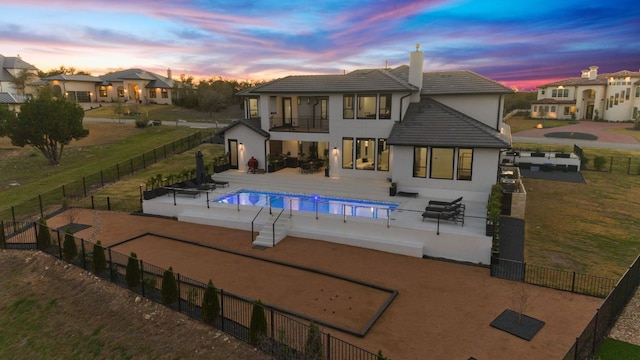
(311, 203)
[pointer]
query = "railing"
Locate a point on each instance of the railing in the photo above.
(286, 337)
(50, 202)
(273, 227)
(552, 278)
(300, 124)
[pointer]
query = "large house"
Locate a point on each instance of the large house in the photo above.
(128, 86)
(592, 96)
(12, 70)
(437, 134)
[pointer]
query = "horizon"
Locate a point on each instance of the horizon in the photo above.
(520, 46)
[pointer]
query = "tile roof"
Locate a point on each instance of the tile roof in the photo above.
(156, 81)
(253, 124)
(431, 123)
(365, 80)
(74, 77)
(15, 63)
(460, 82)
(577, 81)
(553, 101)
(8, 98)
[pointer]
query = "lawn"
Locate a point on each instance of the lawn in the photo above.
(168, 113)
(614, 350)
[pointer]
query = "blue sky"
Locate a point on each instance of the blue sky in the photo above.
(519, 43)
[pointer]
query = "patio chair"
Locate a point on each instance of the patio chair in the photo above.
(443, 203)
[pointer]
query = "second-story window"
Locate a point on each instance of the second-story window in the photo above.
(347, 107)
(385, 106)
(367, 106)
(253, 108)
(324, 109)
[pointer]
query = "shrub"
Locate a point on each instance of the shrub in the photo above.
(99, 261)
(381, 357)
(313, 346)
(142, 123)
(69, 248)
(210, 304)
(599, 162)
(169, 287)
(133, 271)
(258, 325)
(44, 237)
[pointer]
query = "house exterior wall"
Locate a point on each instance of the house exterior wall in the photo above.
(486, 108)
(78, 86)
(484, 175)
(253, 143)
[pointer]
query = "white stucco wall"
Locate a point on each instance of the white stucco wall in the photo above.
(253, 143)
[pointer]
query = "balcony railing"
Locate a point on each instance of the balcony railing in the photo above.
(300, 124)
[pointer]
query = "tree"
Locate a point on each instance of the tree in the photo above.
(5, 115)
(169, 287)
(69, 248)
(313, 346)
(133, 271)
(210, 304)
(62, 70)
(44, 237)
(258, 325)
(47, 124)
(21, 79)
(99, 261)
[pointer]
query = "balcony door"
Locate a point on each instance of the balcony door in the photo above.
(286, 112)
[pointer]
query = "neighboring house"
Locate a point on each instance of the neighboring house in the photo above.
(12, 69)
(592, 96)
(128, 86)
(13, 101)
(438, 134)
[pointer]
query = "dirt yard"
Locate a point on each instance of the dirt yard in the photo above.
(443, 309)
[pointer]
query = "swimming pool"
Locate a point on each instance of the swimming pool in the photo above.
(311, 203)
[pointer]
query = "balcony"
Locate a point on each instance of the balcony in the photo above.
(300, 124)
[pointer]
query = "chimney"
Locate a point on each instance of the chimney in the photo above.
(416, 69)
(593, 72)
(169, 73)
(585, 74)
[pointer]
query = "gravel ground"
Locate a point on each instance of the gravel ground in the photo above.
(627, 327)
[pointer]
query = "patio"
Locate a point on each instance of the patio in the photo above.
(404, 233)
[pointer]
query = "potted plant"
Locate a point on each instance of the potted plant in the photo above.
(326, 162)
(494, 210)
(393, 188)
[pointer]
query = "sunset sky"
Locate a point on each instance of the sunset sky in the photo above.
(520, 43)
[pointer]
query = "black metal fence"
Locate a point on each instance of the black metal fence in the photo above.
(588, 343)
(552, 278)
(286, 336)
(54, 200)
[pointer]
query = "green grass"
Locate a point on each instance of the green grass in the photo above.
(521, 123)
(168, 113)
(615, 350)
(29, 168)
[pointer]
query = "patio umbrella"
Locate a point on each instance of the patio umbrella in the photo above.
(201, 172)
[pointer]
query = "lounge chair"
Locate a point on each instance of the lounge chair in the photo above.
(451, 212)
(219, 182)
(204, 187)
(436, 202)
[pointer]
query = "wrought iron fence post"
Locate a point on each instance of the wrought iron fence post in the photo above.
(4, 243)
(35, 231)
(207, 200)
(273, 335)
(40, 202)
(93, 205)
(84, 186)
(13, 216)
(108, 203)
(101, 178)
(64, 195)
(328, 346)
(573, 282)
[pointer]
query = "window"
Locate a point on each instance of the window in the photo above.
(627, 94)
(617, 98)
(383, 155)
(554, 93)
(57, 91)
(385, 106)
(253, 108)
(103, 91)
(567, 110)
(153, 93)
(566, 93)
(420, 162)
(324, 109)
(83, 96)
(542, 91)
(347, 107)
(553, 108)
(347, 153)
(465, 163)
(367, 106)
(546, 109)
(635, 112)
(165, 93)
(535, 108)
(365, 157)
(638, 91)
(120, 91)
(442, 163)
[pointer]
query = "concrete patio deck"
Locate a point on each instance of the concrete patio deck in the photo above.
(405, 233)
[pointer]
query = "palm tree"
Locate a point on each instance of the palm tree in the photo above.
(21, 79)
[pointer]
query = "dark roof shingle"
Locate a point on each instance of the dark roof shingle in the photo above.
(431, 123)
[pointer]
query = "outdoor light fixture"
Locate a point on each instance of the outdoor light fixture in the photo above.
(335, 150)
(241, 146)
(298, 101)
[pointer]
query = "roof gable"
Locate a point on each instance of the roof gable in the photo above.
(155, 80)
(431, 123)
(460, 82)
(253, 124)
